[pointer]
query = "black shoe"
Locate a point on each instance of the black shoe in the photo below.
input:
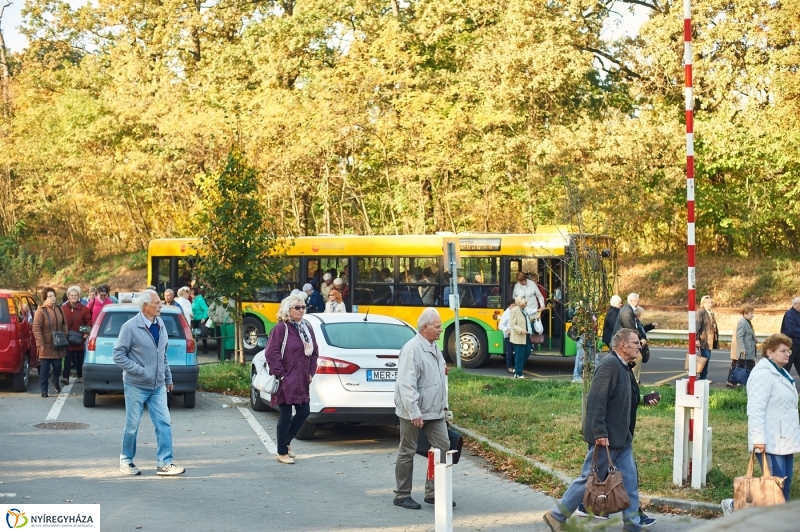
(433, 501)
(57, 386)
(44, 394)
(408, 503)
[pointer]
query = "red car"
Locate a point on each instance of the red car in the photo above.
(17, 346)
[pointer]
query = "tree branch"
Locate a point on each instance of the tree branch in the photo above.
(611, 58)
(654, 5)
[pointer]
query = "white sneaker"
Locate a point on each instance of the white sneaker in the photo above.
(727, 506)
(577, 381)
(170, 470)
(129, 469)
(519, 376)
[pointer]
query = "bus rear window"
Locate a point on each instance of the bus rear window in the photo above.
(5, 315)
(361, 335)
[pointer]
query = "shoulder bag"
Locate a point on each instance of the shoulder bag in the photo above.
(749, 491)
(608, 496)
(265, 381)
(73, 337)
(741, 372)
(59, 338)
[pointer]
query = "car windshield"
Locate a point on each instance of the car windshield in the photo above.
(113, 321)
(361, 335)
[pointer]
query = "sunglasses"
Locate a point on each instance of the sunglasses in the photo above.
(299, 308)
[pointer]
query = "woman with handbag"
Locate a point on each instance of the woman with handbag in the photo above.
(743, 347)
(291, 354)
(707, 333)
(772, 417)
(520, 335)
(644, 350)
(77, 316)
(50, 333)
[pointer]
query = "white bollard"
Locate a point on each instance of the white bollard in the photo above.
(443, 485)
(699, 450)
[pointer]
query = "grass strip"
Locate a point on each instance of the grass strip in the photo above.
(227, 378)
(540, 419)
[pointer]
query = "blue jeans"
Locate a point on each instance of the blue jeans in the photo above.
(289, 426)
(156, 401)
(623, 460)
(508, 348)
(44, 371)
(782, 465)
(521, 354)
(577, 373)
(705, 353)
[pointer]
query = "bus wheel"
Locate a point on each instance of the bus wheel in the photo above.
(474, 349)
(252, 328)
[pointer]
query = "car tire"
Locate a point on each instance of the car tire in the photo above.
(252, 328)
(19, 381)
(255, 399)
(89, 398)
(307, 431)
(474, 347)
(189, 399)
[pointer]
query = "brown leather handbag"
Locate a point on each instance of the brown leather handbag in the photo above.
(749, 491)
(608, 496)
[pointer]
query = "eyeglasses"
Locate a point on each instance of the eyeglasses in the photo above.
(299, 308)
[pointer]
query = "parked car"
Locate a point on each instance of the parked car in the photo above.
(102, 375)
(17, 345)
(356, 370)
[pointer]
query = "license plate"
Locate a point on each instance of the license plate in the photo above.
(381, 375)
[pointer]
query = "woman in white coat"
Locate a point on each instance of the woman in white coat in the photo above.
(335, 302)
(772, 417)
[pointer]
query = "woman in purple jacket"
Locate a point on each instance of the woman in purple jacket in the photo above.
(295, 368)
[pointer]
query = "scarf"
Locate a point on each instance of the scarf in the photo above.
(305, 336)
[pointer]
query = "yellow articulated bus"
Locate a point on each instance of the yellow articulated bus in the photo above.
(401, 275)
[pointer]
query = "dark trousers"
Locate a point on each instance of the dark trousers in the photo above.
(44, 372)
(73, 358)
(508, 347)
(289, 426)
(705, 353)
(521, 354)
(203, 333)
(794, 360)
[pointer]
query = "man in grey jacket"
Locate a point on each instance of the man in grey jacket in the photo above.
(610, 421)
(420, 397)
(141, 352)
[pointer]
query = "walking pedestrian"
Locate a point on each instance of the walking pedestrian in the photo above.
(707, 333)
(626, 318)
(49, 318)
(611, 319)
(77, 316)
(790, 326)
(610, 418)
(96, 304)
(644, 348)
(505, 327)
(200, 315)
(520, 336)
(420, 397)
(141, 352)
(183, 301)
(743, 344)
(291, 354)
(335, 303)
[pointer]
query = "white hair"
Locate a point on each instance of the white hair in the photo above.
(146, 296)
(183, 290)
(632, 296)
(638, 311)
(796, 300)
(170, 290)
(76, 289)
(287, 303)
(427, 317)
(616, 301)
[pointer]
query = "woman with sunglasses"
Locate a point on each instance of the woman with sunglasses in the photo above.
(291, 354)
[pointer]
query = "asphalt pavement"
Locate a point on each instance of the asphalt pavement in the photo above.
(54, 450)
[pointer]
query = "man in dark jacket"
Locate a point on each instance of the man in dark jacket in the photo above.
(611, 319)
(610, 417)
(791, 328)
(626, 319)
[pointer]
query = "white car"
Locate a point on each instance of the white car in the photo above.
(356, 370)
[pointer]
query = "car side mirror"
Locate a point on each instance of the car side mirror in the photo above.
(262, 342)
(86, 329)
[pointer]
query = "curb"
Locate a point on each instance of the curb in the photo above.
(682, 504)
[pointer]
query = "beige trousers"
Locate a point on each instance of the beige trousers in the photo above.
(436, 430)
(637, 369)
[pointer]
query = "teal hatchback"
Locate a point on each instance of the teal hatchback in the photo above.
(100, 373)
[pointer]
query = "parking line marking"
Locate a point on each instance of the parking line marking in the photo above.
(674, 377)
(259, 430)
(62, 398)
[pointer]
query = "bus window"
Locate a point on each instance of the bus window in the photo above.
(419, 281)
(479, 282)
(161, 270)
(185, 270)
(290, 279)
(375, 281)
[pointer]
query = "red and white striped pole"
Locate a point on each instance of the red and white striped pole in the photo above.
(687, 62)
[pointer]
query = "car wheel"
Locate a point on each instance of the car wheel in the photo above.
(255, 399)
(189, 399)
(252, 328)
(89, 398)
(307, 431)
(19, 381)
(474, 349)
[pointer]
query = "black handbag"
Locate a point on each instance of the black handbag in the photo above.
(456, 443)
(60, 340)
(645, 353)
(73, 337)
